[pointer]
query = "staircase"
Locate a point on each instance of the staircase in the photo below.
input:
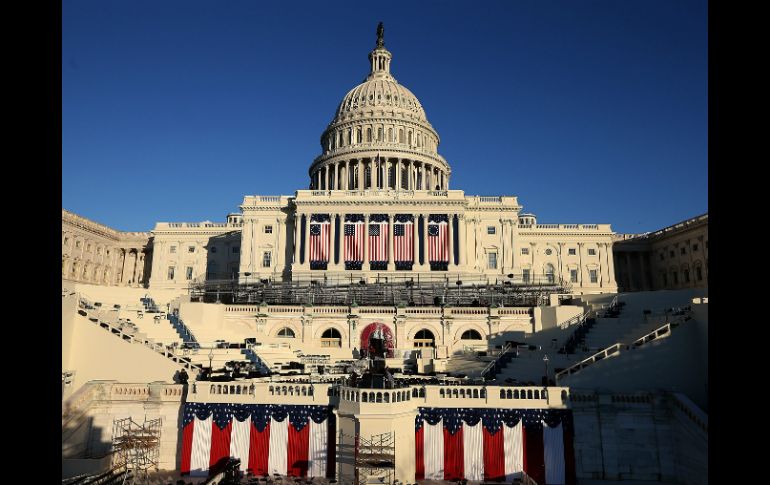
(111, 324)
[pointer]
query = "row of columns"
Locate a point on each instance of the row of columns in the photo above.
(126, 271)
(303, 262)
(350, 175)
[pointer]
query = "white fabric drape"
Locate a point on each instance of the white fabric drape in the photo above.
(201, 447)
(553, 454)
(317, 448)
(513, 445)
(473, 451)
(277, 460)
(240, 436)
(433, 450)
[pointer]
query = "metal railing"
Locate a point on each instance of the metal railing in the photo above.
(616, 348)
(492, 364)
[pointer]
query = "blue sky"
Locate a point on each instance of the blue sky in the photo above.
(588, 111)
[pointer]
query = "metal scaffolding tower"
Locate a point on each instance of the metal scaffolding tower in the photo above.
(376, 459)
(137, 447)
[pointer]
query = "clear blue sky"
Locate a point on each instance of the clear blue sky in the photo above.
(588, 111)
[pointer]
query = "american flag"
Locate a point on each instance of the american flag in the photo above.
(438, 242)
(354, 241)
(319, 242)
(403, 241)
(378, 239)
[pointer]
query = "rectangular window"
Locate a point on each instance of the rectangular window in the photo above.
(683, 251)
(266, 259)
(662, 256)
(671, 254)
(699, 273)
(268, 229)
(188, 274)
(525, 275)
(695, 247)
(591, 252)
(191, 249)
(490, 229)
(594, 276)
(236, 249)
(170, 275)
(492, 260)
(572, 251)
(573, 276)
(172, 249)
(525, 251)
(77, 244)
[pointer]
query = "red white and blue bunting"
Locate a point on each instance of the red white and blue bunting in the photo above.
(267, 438)
(494, 444)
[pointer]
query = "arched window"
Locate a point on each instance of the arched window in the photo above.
(401, 136)
(470, 335)
(409, 139)
(331, 338)
(549, 273)
(502, 393)
(390, 134)
(285, 332)
(424, 338)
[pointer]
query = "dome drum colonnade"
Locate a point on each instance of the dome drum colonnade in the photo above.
(380, 138)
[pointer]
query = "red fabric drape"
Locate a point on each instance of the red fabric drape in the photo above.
(569, 456)
(494, 455)
(220, 447)
(259, 448)
(187, 437)
(298, 451)
(454, 468)
(534, 461)
(419, 468)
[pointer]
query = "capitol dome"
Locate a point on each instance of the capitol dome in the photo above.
(380, 137)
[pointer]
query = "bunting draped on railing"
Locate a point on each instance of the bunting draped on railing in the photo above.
(267, 438)
(494, 444)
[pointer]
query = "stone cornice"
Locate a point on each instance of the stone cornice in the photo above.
(85, 224)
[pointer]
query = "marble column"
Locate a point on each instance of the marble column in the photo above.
(332, 243)
(415, 242)
(398, 174)
(306, 251)
(297, 235)
(462, 243)
(610, 264)
(391, 262)
(450, 236)
(425, 241)
(278, 248)
(365, 266)
(629, 273)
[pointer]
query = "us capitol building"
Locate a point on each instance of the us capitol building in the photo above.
(380, 172)
(381, 327)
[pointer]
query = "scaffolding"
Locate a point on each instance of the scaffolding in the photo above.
(376, 459)
(136, 447)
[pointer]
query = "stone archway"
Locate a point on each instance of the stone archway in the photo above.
(374, 329)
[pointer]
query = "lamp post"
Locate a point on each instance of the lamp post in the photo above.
(211, 357)
(545, 359)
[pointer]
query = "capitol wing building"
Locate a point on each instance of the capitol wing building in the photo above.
(379, 207)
